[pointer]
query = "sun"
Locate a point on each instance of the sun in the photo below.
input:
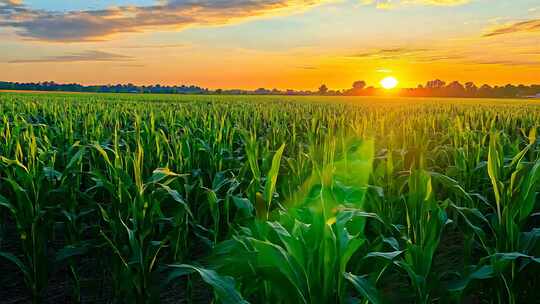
(389, 82)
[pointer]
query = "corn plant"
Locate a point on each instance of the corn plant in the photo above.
(27, 178)
(135, 266)
(511, 247)
(304, 255)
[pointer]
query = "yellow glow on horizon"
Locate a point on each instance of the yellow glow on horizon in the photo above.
(389, 82)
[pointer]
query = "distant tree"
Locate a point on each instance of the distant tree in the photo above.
(435, 84)
(323, 89)
(359, 85)
(485, 91)
(509, 91)
(357, 88)
(455, 89)
(262, 91)
(470, 89)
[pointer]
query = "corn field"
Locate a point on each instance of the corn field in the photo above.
(252, 199)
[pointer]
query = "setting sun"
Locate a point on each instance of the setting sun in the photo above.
(389, 82)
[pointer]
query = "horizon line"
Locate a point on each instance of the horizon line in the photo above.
(478, 85)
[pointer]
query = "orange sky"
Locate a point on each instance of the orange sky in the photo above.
(275, 43)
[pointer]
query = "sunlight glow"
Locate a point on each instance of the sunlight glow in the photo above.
(389, 82)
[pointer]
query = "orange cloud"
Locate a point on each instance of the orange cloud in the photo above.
(517, 27)
(10, 2)
(468, 52)
(388, 4)
(91, 56)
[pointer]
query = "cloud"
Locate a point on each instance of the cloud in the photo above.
(87, 56)
(156, 46)
(527, 26)
(508, 62)
(389, 4)
(390, 53)
(98, 25)
(129, 66)
(436, 2)
(454, 54)
(10, 2)
(95, 25)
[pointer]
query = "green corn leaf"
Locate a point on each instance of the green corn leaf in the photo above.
(5, 203)
(177, 197)
(532, 136)
(494, 165)
(364, 287)
(295, 247)
(243, 204)
(528, 191)
(453, 185)
(385, 255)
(224, 286)
(528, 240)
(481, 273)
(71, 251)
(272, 176)
(160, 173)
(511, 256)
(14, 162)
(51, 174)
(103, 153)
(16, 261)
(275, 257)
(104, 214)
(76, 158)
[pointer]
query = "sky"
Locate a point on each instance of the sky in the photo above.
(284, 44)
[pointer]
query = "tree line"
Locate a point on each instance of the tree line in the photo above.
(433, 88)
(439, 88)
(116, 88)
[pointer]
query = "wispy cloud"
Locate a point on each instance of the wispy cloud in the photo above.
(390, 53)
(527, 26)
(437, 2)
(95, 25)
(155, 46)
(472, 53)
(508, 62)
(128, 65)
(389, 4)
(91, 56)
